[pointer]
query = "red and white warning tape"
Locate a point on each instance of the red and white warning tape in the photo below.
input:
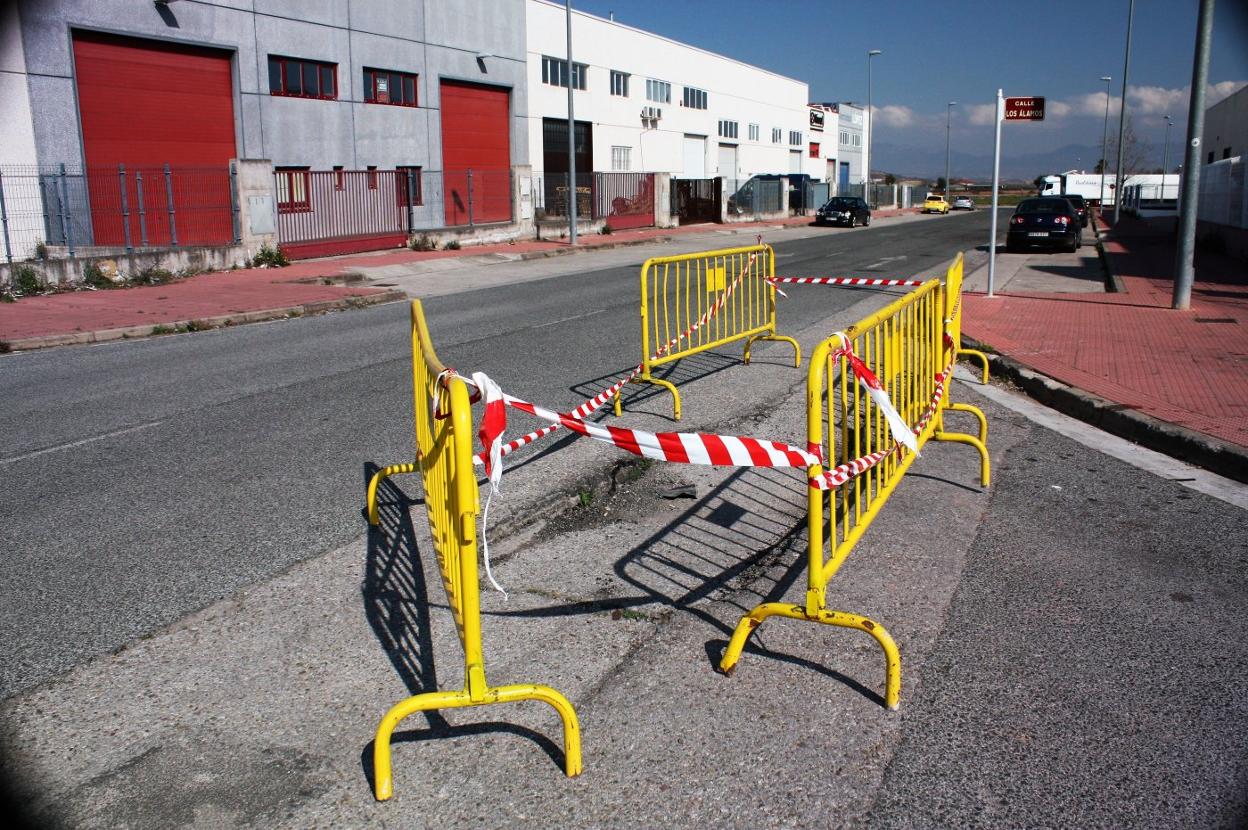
(858, 281)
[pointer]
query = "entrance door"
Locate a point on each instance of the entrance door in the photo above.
(843, 182)
(476, 136)
(795, 161)
(695, 157)
(728, 161)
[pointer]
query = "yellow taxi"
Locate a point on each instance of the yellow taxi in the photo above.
(935, 203)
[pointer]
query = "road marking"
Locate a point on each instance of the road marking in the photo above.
(883, 261)
(79, 443)
(566, 319)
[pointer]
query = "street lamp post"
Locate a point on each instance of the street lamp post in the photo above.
(866, 163)
(1104, 140)
(1165, 155)
(948, 115)
(1122, 113)
(571, 137)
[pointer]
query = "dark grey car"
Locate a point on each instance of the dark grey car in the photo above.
(844, 210)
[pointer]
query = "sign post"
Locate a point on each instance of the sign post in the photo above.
(1008, 109)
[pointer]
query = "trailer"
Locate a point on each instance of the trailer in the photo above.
(1087, 185)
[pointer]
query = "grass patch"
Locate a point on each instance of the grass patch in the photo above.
(152, 276)
(453, 245)
(162, 329)
(93, 276)
(271, 257)
(26, 280)
(584, 497)
(424, 242)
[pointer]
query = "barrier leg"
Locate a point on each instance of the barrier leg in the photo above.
(797, 349)
(974, 410)
(985, 471)
(668, 385)
(382, 773)
(378, 477)
(981, 357)
(752, 620)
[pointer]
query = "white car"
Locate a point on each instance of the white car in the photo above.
(964, 203)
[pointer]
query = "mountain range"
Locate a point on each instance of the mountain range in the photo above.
(921, 163)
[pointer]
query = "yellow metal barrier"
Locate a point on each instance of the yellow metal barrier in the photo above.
(677, 291)
(953, 328)
(903, 344)
(444, 460)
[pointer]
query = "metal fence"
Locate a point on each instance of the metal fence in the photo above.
(754, 196)
(60, 210)
(1224, 193)
(625, 200)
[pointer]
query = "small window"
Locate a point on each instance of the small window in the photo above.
(776, 135)
(340, 182)
(621, 158)
(795, 138)
(555, 72)
(727, 129)
(372, 177)
(814, 149)
(658, 91)
(407, 186)
(298, 78)
(753, 132)
(294, 185)
(857, 140)
(619, 83)
(694, 98)
(385, 86)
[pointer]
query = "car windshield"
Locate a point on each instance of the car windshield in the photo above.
(1077, 201)
(839, 204)
(1044, 206)
(931, 198)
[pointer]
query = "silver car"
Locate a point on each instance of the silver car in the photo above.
(963, 203)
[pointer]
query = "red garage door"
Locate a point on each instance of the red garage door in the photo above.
(145, 104)
(476, 137)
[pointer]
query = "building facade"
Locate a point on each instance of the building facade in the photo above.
(645, 103)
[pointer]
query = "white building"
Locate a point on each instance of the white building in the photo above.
(647, 103)
(835, 153)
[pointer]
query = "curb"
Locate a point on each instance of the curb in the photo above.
(591, 248)
(1113, 282)
(200, 324)
(1196, 448)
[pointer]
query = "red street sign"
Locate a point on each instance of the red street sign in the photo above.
(1024, 109)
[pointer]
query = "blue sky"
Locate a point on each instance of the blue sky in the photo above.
(963, 50)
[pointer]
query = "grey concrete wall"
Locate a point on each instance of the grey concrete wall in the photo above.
(435, 39)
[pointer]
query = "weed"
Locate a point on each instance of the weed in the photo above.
(198, 325)
(41, 250)
(151, 276)
(6, 296)
(93, 276)
(162, 330)
(584, 497)
(272, 257)
(453, 245)
(424, 242)
(5, 347)
(27, 280)
(629, 614)
(295, 312)
(607, 230)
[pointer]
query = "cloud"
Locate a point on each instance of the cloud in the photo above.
(980, 114)
(893, 115)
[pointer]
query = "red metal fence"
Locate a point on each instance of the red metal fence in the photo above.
(625, 199)
(325, 212)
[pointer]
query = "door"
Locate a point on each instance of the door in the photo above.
(843, 181)
(795, 161)
(476, 137)
(695, 157)
(728, 163)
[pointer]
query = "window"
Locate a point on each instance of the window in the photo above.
(383, 86)
(293, 187)
(621, 158)
(555, 72)
(695, 98)
(407, 186)
(372, 177)
(857, 139)
(795, 138)
(814, 149)
(844, 136)
(298, 78)
(727, 129)
(658, 91)
(340, 182)
(753, 132)
(776, 135)
(619, 83)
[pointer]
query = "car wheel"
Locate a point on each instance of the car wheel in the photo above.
(853, 220)
(866, 220)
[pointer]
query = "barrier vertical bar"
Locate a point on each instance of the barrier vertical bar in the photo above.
(62, 196)
(173, 227)
(138, 187)
(125, 208)
(4, 223)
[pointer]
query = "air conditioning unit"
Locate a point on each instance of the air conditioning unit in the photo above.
(651, 113)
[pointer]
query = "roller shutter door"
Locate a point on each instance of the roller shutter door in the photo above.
(476, 136)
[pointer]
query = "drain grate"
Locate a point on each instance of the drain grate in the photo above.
(1216, 320)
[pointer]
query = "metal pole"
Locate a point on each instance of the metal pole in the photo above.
(948, 116)
(1184, 267)
(996, 181)
(470, 197)
(411, 201)
(1104, 144)
(4, 222)
(1165, 156)
(571, 137)
(138, 188)
(125, 207)
(173, 227)
(62, 197)
(1122, 114)
(866, 163)
(236, 216)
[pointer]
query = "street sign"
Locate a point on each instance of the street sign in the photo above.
(1024, 109)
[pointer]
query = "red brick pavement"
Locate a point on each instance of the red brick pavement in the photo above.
(1185, 367)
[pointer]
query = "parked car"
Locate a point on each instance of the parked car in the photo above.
(1081, 207)
(844, 210)
(964, 203)
(1045, 221)
(935, 203)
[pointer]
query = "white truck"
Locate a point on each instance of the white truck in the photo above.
(1087, 185)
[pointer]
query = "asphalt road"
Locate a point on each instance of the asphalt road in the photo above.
(144, 480)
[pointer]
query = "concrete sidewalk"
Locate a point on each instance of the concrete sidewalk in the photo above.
(1172, 380)
(305, 287)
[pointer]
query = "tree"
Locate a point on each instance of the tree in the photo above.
(1135, 153)
(940, 183)
(1038, 181)
(890, 179)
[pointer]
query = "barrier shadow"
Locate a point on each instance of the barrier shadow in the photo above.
(680, 372)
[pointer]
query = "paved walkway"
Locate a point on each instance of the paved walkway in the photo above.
(1188, 368)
